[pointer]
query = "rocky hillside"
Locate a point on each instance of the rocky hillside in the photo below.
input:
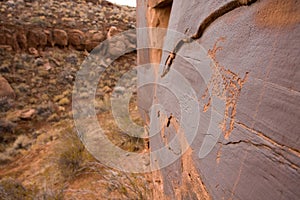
(78, 24)
(42, 46)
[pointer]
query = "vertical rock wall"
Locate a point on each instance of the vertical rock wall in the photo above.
(150, 14)
(252, 98)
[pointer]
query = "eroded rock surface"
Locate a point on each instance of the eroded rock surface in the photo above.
(247, 86)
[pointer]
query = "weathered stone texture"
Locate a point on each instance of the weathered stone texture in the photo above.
(23, 38)
(254, 64)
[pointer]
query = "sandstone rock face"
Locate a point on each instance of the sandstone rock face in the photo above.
(76, 38)
(26, 24)
(149, 15)
(21, 39)
(93, 39)
(60, 37)
(246, 82)
(24, 38)
(36, 38)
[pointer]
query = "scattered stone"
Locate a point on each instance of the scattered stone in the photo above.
(53, 82)
(33, 51)
(112, 31)
(42, 76)
(44, 110)
(6, 47)
(58, 97)
(27, 114)
(10, 3)
(56, 62)
(39, 62)
(47, 66)
(22, 88)
(5, 68)
(53, 118)
(119, 90)
(26, 58)
(106, 89)
(64, 101)
(61, 109)
(20, 1)
(13, 116)
(66, 93)
(37, 133)
(72, 58)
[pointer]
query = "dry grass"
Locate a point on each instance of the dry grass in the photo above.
(12, 189)
(72, 157)
(65, 169)
(130, 186)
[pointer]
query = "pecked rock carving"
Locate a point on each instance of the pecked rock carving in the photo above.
(252, 48)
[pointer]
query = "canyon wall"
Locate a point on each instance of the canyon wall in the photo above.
(243, 70)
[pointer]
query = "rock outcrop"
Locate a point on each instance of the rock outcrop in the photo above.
(22, 38)
(80, 24)
(7, 94)
(246, 83)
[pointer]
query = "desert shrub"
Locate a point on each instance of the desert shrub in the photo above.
(49, 194)
(128, 185)
(4, 158)
(11, 189)
(71, 154)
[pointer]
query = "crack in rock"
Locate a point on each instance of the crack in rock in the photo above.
(219, 13)
(276, 152)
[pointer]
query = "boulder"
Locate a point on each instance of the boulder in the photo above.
(6, 90)
(93, 39)
(7, 95)
(76, 39)
(36, 38)
(60, 37)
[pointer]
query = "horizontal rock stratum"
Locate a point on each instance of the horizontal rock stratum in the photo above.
(78, 24)
(20, 38)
